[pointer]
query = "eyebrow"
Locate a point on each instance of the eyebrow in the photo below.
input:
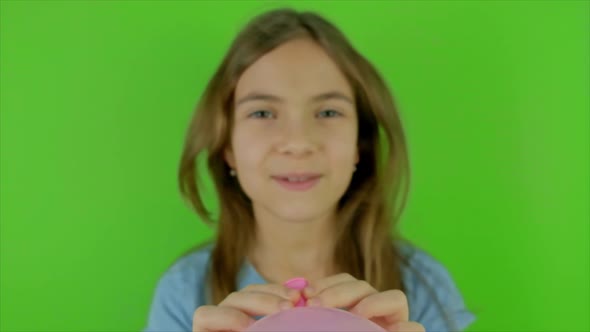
(268, 97)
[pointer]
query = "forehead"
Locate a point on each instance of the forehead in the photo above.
(297, 69)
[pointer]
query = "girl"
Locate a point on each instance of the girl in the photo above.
(293, 124)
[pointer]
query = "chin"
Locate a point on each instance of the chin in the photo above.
(300, 213)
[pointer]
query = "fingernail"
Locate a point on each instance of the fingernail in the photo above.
(284, 305)
(315, 302)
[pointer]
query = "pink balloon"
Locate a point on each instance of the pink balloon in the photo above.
(316, 319)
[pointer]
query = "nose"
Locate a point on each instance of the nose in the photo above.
(297, 139)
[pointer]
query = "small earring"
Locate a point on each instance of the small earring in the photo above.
(232, 172)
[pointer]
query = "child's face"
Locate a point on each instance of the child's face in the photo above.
(294, 140)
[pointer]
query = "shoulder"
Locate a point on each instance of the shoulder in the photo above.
(422, 267)
(433, 296)
(192, 266)
(179, 292)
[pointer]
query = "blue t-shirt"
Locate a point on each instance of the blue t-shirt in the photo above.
(181, 290)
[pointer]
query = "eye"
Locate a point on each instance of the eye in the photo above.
(329, 114)
(261, 114)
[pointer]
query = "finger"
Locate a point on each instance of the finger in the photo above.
(343, 295)
(391, 305)
(406, 327)
(278, 290)
(256, 303)
(319, 285)
(215, 318)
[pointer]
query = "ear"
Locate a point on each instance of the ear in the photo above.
(228, 155)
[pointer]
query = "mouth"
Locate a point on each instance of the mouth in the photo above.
(297, 182)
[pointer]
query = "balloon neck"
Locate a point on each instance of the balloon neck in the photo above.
(298, 284)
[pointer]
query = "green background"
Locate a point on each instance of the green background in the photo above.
(96, 97)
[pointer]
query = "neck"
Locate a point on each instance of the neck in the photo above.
(286, 249)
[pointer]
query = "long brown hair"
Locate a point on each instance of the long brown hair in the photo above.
(377, 193)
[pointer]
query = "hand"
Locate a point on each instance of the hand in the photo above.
(235, 312)
(387, 309)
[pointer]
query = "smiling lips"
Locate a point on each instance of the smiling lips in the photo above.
(297, 182)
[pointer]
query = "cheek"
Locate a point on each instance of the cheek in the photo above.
(342, 146)
(248, 148)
